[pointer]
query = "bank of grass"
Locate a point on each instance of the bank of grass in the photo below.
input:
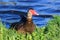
(50, 32)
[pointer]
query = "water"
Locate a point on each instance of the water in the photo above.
(43, 7)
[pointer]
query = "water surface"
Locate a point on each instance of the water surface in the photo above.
(43, 7)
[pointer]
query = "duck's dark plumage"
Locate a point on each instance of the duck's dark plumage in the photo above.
(25, 24)
(23, 20)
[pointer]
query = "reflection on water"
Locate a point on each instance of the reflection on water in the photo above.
(43, 7)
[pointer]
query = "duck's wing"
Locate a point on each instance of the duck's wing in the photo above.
(23, 18)
(13, 25)
(20, 23)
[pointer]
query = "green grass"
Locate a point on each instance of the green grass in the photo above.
(50, 32)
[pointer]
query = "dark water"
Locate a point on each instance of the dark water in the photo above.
(43, 7)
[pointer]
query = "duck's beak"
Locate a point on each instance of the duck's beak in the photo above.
(33, 12)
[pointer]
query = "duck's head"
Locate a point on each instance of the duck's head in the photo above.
(30, 13)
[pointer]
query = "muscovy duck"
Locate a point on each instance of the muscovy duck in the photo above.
(25, 25)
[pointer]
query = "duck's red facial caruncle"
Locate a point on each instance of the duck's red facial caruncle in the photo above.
(33, 12)
(30, 13)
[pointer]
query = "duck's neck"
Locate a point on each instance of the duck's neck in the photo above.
(29, 21)
(29, 17)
